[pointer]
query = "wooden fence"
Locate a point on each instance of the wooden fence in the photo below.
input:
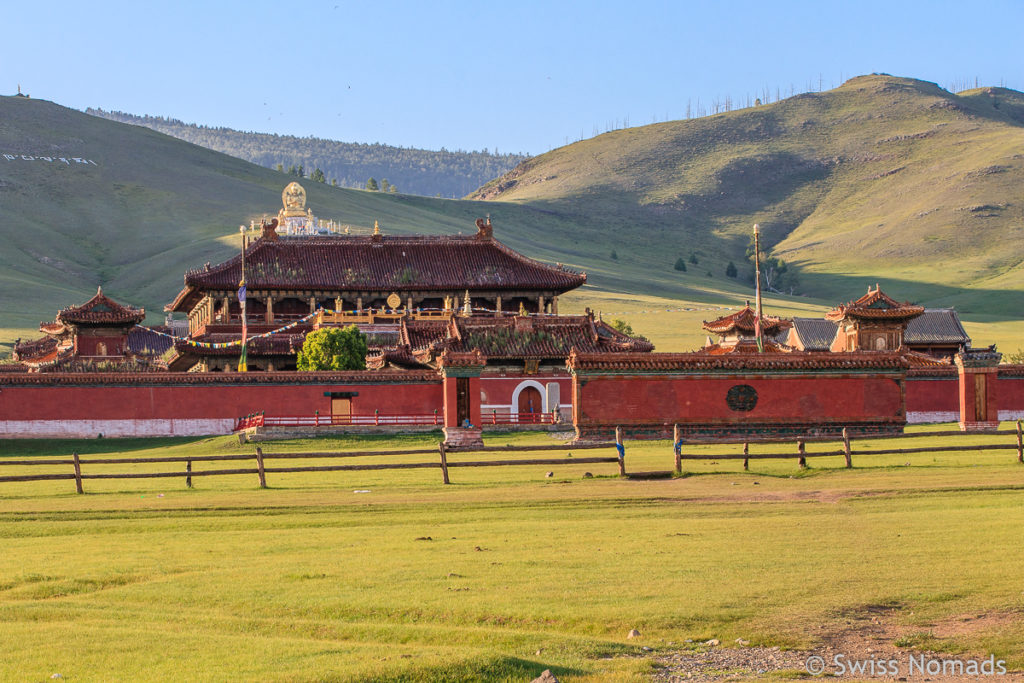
(262, 468)
(847, 450)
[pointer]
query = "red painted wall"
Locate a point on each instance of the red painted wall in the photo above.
(703, 399)
(206, 401)
(1011, 395)
(651, 404)
(933, 395)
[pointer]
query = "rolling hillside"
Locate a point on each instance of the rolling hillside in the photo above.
(882, 178)
(141, 208)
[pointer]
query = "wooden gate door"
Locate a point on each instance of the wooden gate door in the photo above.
(462, 399)
(529, 402)
(980, 398)
(341, 411)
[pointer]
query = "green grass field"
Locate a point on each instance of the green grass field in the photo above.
(392, 576)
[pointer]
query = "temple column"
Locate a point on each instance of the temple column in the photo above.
(312, 304)
(497, 306)
(554, 305)
(338, 304)
(359, 305)
(225, 309)
(540, 304)
(270, 309)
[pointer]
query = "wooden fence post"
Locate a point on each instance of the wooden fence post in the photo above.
(800, 450)
(622, 451)
(678, 449)
(1020, 443)
(846, 448)
(444, 463)
(188, 475)
(78, 472)
(746, 452)
(259, 467)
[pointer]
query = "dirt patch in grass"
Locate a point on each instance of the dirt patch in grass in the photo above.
(866, 634)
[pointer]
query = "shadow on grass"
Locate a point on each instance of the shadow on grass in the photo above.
(63, 447)
(500, 668)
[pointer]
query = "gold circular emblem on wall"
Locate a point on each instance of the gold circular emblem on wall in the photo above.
(394, 301)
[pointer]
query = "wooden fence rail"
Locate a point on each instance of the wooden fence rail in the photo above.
(847, 450)
(262, 468)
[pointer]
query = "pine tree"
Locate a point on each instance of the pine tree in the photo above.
(730, 270)
(318, 176)
(385, 186)
(680, 264)
(371, 185)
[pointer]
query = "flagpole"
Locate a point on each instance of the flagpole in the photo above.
(757, 288)
(243, 365)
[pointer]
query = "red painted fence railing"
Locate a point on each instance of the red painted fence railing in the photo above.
(317, 420)
(496, 418)
(435, 418)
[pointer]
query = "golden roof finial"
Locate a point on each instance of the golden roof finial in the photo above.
(376, 228)
(467, 307)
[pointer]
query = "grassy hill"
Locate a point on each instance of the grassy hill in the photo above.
(149, 206)
(883, 178)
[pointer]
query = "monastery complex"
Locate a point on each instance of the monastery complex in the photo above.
(464, 334)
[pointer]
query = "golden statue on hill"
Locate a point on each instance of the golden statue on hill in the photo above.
(294, 199)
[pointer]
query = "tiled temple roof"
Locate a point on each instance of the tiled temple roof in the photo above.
(143, 342)
(44, 350)
(747, 346)
(743, 321)
(815, 334)
(936, 326)
(698, 360)
(100, 310)
(875, 305)
(274, 345)
(449, 263)
(423, 342)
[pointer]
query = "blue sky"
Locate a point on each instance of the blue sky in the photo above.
(511, 76)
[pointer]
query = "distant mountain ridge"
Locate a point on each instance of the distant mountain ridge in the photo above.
(429, 173)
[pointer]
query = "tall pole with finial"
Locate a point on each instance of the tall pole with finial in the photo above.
(757, 289)
(243, 365)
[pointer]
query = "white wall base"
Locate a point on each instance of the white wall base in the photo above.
(90, 429)
(914, 417)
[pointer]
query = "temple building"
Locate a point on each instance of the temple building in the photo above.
(874, 322)
(99, 331)
(366, 280)
(937, 332)
(290, 277)
(737, 333)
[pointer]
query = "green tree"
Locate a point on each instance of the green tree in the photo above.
(333, 348)
(385, 186)
(318, 176)
(693, 258)
(730, 270)
(301, 172)
(627, 329)
(371, 185)
(615, 257)
(680, 264)
(280, 168)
